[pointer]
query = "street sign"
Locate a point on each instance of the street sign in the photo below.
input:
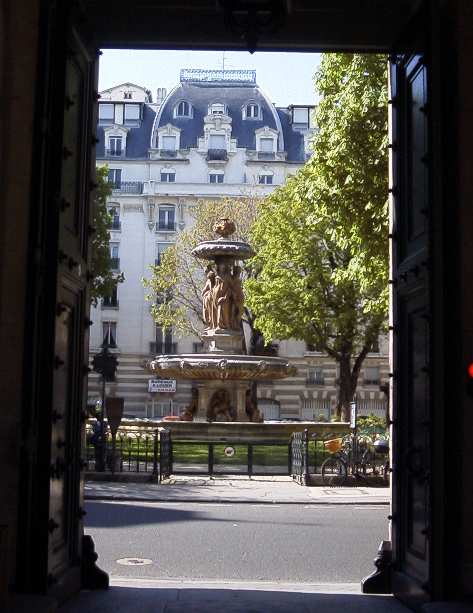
(353, 412)
(161, 385)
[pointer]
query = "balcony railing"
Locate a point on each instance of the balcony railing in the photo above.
(217, 155)
(167, 153)
(160, 348)
(112, 153)
(115, 263)
(109, 303)
(371, 381)
(165, 226)
(315, 380)
(128, 187)
(115, 225)
(266, 155)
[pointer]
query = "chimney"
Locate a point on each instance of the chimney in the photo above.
(161, 93)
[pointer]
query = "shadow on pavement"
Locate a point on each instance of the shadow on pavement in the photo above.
(203, 600)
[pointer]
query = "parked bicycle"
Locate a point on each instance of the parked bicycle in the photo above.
(356, 456)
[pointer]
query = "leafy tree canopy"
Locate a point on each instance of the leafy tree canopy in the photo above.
(104, 280)
(321, 239)
(176, 282)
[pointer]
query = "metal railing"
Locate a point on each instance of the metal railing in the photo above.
(110, 303)
(115, 225)
(114, 263)
(166, 226)
(128, 187)
(136, 450)
(217, 155)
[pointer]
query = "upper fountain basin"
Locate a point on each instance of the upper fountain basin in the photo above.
(209, 250)
(221, 366)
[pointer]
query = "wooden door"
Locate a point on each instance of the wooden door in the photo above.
(411, 324)
(72, 310)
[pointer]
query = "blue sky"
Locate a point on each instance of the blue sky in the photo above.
(287, 78)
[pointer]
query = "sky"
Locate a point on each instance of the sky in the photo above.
(287, 78)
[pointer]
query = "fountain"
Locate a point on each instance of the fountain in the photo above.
(223, 372)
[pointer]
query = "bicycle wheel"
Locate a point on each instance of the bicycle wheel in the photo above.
(334, 472)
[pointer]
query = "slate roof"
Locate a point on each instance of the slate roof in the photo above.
(200, 96)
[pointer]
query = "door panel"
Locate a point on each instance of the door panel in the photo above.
(411, 320)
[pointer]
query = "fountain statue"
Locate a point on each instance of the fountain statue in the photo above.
(223, 371)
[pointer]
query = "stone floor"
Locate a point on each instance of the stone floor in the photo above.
(149, 596)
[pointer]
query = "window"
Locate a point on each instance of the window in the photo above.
(160, 249)
(166, 218)
(132, 114)
(168, 143)
(106, 113)
(114, 258)
(168, 176)
(115, 145)
(109, 330)
(216, 177)
(164, 342)
(115, 177)
(300, 116)
(114, 212)
(315, 376)
(217, 141)
(371, 375)
(111, 301)
(251, 111)
(183, 109)
(375, 346)
(266, 145)
(128, 95)
(217, 109)
(265, 179)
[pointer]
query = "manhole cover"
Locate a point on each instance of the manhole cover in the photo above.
(134, 561)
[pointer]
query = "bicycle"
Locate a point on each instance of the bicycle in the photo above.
(356, 456)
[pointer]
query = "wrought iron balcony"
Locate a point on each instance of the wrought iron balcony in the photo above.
(162, 348)
(113, 153)
(315, 380)
(371, 381)
(115, 225)
(128, 187)
(115, 263)
(109, 303)
(220, 155)
(165, 226)
(167, 153)
(266, 155)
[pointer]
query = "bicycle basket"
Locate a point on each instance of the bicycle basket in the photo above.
(333, 445)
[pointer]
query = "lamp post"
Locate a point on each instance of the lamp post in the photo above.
(105, 364)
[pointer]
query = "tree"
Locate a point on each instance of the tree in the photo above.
(176, 282)
(321, 239)
(104, 280)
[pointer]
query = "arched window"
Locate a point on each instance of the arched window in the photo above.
(183, 109)
(251, 111)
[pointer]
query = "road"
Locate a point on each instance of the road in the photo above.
(258, 542)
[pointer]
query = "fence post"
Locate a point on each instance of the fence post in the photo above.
(289, 457)
(211, 459)
(305, 450)
(155, 456)
(250, 460)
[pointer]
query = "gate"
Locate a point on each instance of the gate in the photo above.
(165, 454)
(300, 457)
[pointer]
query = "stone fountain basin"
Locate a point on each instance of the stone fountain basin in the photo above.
(221, 366)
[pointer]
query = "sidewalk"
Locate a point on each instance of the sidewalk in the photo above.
(257, 490)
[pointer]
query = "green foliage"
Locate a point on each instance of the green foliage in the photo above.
(372, 427)
(321, 239)
(104, 280)
(176, 283)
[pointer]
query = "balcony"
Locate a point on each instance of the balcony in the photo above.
(315, 380)
(371, 381)
(115, 225)
(162, 348)
(115, 263)
(165, 226)
(128, 187)
(217, 155)
(266, 155)
(109, 303)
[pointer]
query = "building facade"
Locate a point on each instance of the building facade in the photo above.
(215, 135)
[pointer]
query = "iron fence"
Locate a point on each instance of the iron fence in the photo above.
(299, 446)
(165, 455)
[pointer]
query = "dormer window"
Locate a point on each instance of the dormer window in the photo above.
(217, 109)
(183, 109)
(132, 115)
(115, 144)
(169, 143)
(217, 141)
(106, 114)
(128, 95)
(266, 145)
(251, 111)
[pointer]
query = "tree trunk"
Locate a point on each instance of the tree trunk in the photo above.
(346, 388)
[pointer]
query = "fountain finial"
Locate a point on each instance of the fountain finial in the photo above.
(224, 227)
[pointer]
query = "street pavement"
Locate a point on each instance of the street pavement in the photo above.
(270, 490)
(301, 544)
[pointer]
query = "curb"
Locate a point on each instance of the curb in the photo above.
(328, 500)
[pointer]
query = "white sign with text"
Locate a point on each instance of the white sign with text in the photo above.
(161, 385)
